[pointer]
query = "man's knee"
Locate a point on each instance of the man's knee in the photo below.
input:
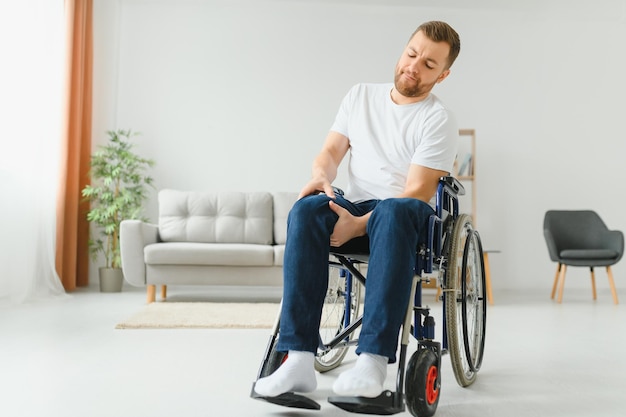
(397, 208)
(310, 210)
(400, 214)
(309, 205)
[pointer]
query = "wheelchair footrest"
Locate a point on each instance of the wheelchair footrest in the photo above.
(288, 399)
(386, 403)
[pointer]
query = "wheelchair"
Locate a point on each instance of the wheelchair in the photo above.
(453, 254)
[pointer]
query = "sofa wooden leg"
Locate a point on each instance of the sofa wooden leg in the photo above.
(163, 292)
(612, 284)
(151, 293)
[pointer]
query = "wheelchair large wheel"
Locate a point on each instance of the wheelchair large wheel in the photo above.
(340, 297)
(422, 383)
(466, 307)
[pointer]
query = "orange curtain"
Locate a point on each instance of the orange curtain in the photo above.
(72, 252)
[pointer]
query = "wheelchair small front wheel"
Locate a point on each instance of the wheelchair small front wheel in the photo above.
(422, 383)
(465, 301)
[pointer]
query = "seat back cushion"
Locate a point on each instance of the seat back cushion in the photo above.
(215, 217)
(576, 229)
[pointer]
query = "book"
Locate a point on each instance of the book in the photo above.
(466, 165)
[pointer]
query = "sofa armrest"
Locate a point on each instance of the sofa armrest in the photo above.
(134, 236)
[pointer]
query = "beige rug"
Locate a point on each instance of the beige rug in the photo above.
(202, 315)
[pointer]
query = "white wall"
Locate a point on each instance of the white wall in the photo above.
(239, 95)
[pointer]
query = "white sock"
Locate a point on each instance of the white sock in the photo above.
(366, 379)
(296, 374)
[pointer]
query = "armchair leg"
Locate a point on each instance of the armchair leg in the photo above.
(163, 292)
(556, 280)
(593, 283)
(151, 293)
(563, 269)
(612, 284)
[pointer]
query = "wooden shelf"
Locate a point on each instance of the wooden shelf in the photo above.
(466, 162)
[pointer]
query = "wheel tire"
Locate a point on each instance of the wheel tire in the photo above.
(422, 383)
(474, 311)
(465, 301)
(333, 318)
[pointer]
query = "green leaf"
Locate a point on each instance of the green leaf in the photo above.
(118, 189)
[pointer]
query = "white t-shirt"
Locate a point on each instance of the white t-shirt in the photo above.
(386, 138)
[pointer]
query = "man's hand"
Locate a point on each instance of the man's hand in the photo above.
(317, 185)
(347, 227)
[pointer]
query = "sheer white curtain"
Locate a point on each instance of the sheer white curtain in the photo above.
(32, 48)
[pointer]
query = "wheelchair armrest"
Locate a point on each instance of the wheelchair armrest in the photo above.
(448, 190)
(453, 185)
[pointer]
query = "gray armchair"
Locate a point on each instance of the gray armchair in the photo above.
(580, 238)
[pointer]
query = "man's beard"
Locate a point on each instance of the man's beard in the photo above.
(413, 90)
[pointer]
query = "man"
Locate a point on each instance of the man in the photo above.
(401, 140)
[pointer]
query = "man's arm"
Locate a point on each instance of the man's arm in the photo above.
(324, 170)
(422, 182)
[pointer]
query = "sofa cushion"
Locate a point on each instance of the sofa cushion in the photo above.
(215, 217)
(283, 201)
(279, 255)
(224, 254)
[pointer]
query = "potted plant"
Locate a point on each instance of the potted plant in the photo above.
(118, 189)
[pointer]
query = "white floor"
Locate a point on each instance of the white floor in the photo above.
(65, 358)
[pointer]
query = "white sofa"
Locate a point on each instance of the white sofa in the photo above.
(208, 238)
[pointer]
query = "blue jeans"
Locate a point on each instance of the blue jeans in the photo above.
(395, 229)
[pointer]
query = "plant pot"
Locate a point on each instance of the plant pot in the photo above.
(111, 279)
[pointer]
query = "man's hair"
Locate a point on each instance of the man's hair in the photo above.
(442, 32)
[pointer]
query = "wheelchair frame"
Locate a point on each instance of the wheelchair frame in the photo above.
(454, 250)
